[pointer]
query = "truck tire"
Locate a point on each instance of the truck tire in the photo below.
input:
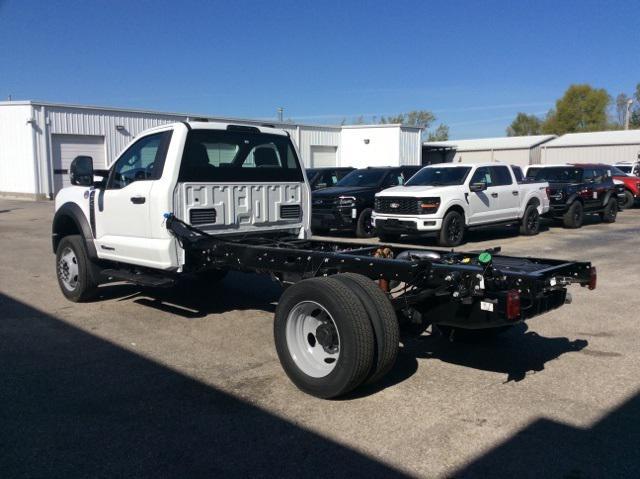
(629, 200)
(212, 276)
(383, 320)
(530, 224)
(574, 216)
(323, 337)
(74, 270)
(610, 211)
(364, 227)
(452, 231)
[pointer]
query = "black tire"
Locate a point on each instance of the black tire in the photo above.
(357, 342)
(452, 231)
(610, 211)
(530, 224)
(212, 276)
(75, 273)
(574, 216)
(388, 237)
(364, 227)
(629, 200)
(383, 319)
(451, 333)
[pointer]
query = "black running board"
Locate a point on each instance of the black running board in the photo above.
(138, 278)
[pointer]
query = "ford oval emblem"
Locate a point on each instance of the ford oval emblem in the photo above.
(394, 205)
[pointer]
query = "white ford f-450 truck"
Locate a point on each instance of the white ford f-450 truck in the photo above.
(448, 198)
(194, 200)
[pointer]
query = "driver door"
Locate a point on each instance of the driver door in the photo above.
(123, 223)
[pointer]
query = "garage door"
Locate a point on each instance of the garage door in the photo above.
(66, 147)
(323, 156)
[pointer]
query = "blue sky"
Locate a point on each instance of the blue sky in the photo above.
(474, 64)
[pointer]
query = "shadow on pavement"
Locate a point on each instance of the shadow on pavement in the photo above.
(74, 405)
(547, 448)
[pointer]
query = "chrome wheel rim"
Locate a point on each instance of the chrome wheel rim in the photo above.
(68, 269)
(312, 339)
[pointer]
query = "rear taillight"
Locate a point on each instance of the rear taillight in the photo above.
(513, 305)
(593, 278)
(548, 192)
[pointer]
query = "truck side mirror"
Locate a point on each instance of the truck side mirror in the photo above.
(476, 187)
(81, 171)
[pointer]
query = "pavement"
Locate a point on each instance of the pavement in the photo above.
(186, 383)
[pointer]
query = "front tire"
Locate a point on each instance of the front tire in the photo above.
(452, 231)
(74, 270)
(610, 211)
(530, 225)
(323, 337)
(629, 200)
(364, 227)
(574, 216)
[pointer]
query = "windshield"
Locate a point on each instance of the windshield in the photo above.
(237, 156)
(616, 171)
(624, 169)
(560, 174)
(364, 177)
(435, 176)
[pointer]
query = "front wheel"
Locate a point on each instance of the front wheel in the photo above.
(74, 270)
(364, 227)
(610, 211)
(452, 230)
(530, 224)
(323, 336)
(629, 200)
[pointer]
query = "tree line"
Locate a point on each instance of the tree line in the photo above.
(418, 118)
(582, 108)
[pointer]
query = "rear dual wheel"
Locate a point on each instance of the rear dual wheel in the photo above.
(334, 333)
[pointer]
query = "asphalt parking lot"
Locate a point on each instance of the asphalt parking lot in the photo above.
(183, 383)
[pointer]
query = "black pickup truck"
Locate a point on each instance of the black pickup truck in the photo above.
(578, 189)
(348, 205)
(326, 177)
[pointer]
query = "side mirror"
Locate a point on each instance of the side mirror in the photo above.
(81, 171)
(476, 187)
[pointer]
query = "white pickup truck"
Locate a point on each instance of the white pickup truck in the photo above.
(450, 197)
(191, 201)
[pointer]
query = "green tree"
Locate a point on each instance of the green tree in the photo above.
(621, 108)
(634, 121)
(440, 134)
(581, 108)
(524, 125)
(418, 118)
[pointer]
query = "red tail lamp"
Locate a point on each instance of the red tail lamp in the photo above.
(513, 305)
(593, 278)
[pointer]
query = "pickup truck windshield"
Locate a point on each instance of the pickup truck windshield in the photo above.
(366, 178)
(238, 156)
(560, 174)
(615, 171)
(433, 176)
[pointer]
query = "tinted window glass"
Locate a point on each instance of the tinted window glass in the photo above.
(517, 172)
(222, 155)
(364, 177)
(557, 174)
(500, 176)
(439, 176)
(626, 169)
(483, 175)
(616, 171)
(144, 160)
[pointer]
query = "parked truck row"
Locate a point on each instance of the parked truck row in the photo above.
(194, 200)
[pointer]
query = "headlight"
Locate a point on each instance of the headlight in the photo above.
(427, 206)
(346, 201)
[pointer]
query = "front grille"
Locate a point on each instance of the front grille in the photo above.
(290, 212)
(399, 205)
(323, 203)
(201, 216)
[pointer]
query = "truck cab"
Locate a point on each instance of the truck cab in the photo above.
(224, 178)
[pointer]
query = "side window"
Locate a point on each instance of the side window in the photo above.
(501, 176)
(331, 178)
(588, 175)
(144, 160)
(598, 175)
(517, 172)
(482, 175)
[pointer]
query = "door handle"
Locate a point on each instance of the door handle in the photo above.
(495, 195)
(138, 200)
(515, 193)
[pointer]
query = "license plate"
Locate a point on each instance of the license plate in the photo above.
(486, 306)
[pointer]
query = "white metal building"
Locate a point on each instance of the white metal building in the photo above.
(515, 150)
(38, 141)
(380, 145)
(597, 147)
